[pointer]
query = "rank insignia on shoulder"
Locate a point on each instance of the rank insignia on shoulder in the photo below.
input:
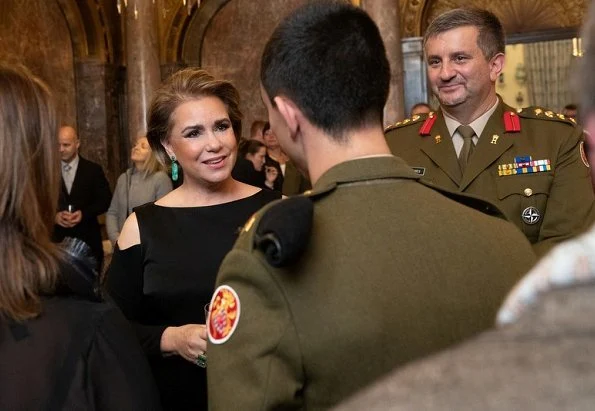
(420, 171)
(544, 114)
(224, 314)
(408, 121)
(524, 165)
(512, 123)
(426, 128)
(249, 224)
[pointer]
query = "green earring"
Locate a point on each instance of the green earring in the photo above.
(174, 168)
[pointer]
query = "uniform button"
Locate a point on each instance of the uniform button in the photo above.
(528, 192)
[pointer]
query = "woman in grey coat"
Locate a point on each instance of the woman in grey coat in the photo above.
(142, 183)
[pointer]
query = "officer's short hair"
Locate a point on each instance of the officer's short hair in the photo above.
(328, 57)
(490, 40)
(584, 80)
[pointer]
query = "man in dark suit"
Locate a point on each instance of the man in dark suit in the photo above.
(326, 291)
(84, 195)
(543, 355)
(527, 162)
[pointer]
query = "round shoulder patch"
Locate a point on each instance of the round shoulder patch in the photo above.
(583, 155)
(224, 314)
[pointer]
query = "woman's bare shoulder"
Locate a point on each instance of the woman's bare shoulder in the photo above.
(130, 234)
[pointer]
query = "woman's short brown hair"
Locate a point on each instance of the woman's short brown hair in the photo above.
(187, 85)
(29, 177)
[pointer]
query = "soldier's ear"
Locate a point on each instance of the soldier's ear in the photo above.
(496, 66)
(290, 112)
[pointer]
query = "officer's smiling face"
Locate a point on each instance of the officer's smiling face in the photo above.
(459, 73)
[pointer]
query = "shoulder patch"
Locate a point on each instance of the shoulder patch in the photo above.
(283, 230)
(408, 121)
(224, 314)
(541, 113)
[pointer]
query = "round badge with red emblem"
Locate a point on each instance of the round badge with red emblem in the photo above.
(224, 314)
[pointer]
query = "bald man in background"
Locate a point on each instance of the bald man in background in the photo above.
(84, 195)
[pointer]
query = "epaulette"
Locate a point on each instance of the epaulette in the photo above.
(408, 121)
(281, 231)
(545, 114)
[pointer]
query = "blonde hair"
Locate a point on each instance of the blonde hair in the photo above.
(187, 85)
(152, 164)
(29, 177)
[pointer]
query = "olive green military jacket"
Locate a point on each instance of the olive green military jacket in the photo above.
(549, 205)
(390, 272)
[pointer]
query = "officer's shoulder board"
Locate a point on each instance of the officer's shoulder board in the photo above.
(415, 119)
(541, 113)
(281, 230)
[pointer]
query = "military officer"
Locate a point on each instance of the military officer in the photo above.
(325, 292)
(542, 357)
(530, 163)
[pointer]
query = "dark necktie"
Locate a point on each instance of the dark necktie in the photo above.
(468, 146)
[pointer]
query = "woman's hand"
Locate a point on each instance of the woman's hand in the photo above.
(188, 341)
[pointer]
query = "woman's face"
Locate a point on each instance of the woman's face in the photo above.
(141, 151)
(203, 140)
(257, 158)
(270, 139)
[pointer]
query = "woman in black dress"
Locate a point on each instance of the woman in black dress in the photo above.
(166, 260)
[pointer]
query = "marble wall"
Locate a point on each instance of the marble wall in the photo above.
(35, 33)
(233, 44)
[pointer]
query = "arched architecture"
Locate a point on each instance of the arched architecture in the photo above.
(79, 48)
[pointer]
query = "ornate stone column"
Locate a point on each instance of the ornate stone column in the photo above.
(142, 61)
(98, 109)
(386, 15)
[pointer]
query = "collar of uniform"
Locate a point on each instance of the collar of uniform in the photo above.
(366, 168)
(478, 124)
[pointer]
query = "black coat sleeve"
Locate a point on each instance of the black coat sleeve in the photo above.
(102, 194)
(125, 287)
(116, 369)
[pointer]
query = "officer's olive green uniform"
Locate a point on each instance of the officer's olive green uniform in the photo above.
(392, 271)
(548, 205)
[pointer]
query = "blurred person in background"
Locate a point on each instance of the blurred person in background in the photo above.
(257, 130)
(142, 183)
(420, 108)
(84, 195)
(275, 156)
